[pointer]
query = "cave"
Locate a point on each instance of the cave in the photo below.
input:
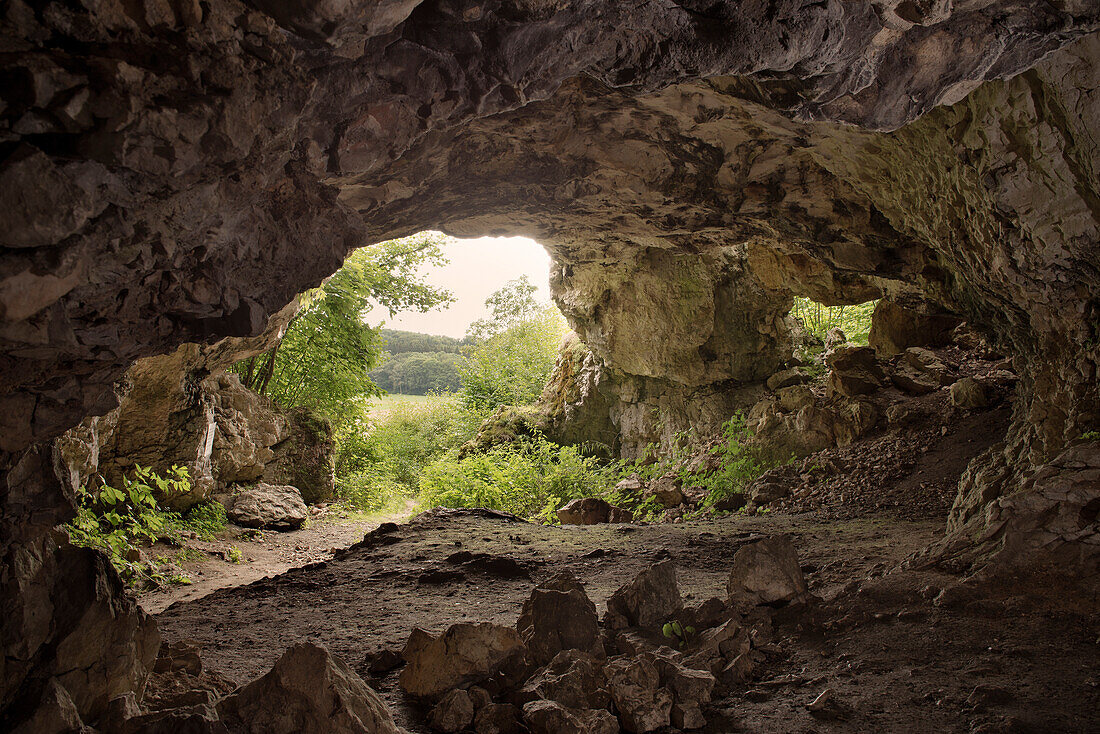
(175, 172)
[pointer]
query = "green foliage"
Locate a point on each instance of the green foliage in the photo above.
(855, 321)
(398, 342)
(515, 350)
(233, 555)
(1090, 435)
(382, 457)
(739, 463)
(117, 520)
(323, 360)
(679, 634)
(206, 519)
(530, 478)
(418, 373)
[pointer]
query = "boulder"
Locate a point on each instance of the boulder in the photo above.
(588, 511)
(834, 337)
(308, 691)
(689, 686)
(794, 397)
(498, 718)
(766, 572)
(853, 370)
(454, 712)
(573, 678)
(649, 600)
(557, 616)
(550, 717)
(788, 378)
(910, 322)
(920, 371)
(465, 653)
(56, 714)
(666, 490)
(969, 394)
(635, 688)
(279, 507)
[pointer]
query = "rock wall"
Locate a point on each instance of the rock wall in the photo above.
(174, 171)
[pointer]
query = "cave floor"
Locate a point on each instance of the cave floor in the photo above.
(1025, 658)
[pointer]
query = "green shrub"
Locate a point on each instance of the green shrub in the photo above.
(119, 520)
(531, 478)
(206, 519)
(739, 464)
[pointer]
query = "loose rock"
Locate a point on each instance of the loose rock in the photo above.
(767, 572)
(279, 507)
(649, 600)
(465, 653)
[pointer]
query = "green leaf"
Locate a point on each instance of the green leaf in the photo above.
(667, 630)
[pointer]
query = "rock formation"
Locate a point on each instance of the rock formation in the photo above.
(177, 172)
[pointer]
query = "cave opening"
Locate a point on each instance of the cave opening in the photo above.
(729, 534)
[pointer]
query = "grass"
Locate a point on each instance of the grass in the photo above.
(391, 400)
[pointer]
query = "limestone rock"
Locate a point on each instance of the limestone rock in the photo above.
(454, 712)
(498, 718)
(557, 616)
(794, 397)
(969, 393)
(574, 679)
(767, 572)
(649, 600)
(834, 337)
(307, 691)
(550, 717)
(465, 653)
(853, 370)
(635, 688)
(788, 378)
(911, 322)
(592, 511)
(666, 490)
(56, 714)
(269, 506)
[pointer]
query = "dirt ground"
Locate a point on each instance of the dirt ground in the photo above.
(900, 659)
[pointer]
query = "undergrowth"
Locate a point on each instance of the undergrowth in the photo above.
(120, 521)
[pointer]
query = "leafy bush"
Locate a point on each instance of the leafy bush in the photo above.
(530, 478)
(739, 464)
(855, 321)
(381, 457)
(118, 520)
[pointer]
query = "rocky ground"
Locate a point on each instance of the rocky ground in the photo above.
(899, 652)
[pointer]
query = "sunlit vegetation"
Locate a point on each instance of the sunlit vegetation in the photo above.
(854, 321)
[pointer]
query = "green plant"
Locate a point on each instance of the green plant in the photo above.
(117, 520)
(679, 634)
(206, 519)
(854, 321)
(1090, 435)
(233, 555)
(739, 463)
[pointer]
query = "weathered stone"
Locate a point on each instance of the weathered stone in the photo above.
(788, 378)
(498, 718)
(910, 322)
(574, 679)
(465, 653)
(585, 511)
(557, 616)
(269, 506)
(650, 599)
(834, 337)
(635, 688)
(794, 397)
(766, 572)
(969, 393)
(454, 712)
(666, 490)
(308, 690)
(853, 370)
(687, 717)
(56, 714)
(550, 717)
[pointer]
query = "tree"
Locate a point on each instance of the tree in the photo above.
(515, 349)
(323, 360)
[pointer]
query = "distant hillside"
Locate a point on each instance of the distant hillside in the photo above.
(416, 364)
(398, 342)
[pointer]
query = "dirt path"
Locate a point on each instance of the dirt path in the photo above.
(899, 660)
(238, 557)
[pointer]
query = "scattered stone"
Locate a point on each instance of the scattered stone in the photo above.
(826, 705)
(56, 713)
(498, 718)
(794, 397)
(985, 695)
(788, 378)
(853, 370)
(308, 690)
(635, 688)
(687, 717)
(666, 490)
(384, 661)
(178, 656)
(969, 394)
(550, 717)
(558, 616)
(834, 337)
(465, 653)
(279, 507)
(454, 712)
(592, 511)
(649, 600)
(574, 679)
(767, 572)
(480, 697)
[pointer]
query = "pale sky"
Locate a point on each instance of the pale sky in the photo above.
(477, 268)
